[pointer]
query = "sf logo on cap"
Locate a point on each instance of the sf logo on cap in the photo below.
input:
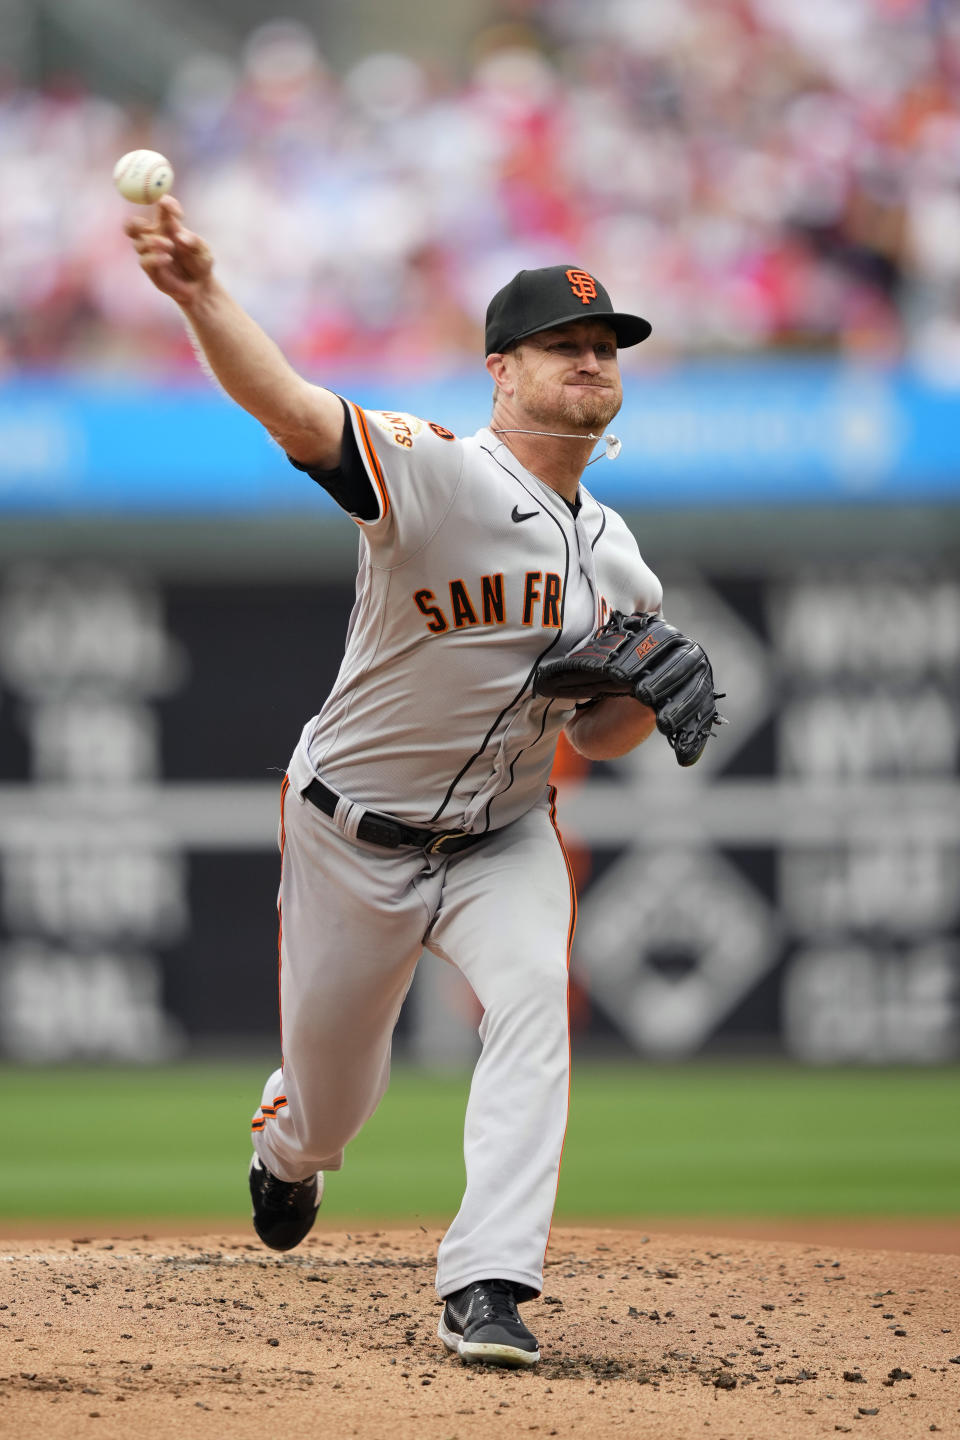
(583, 285)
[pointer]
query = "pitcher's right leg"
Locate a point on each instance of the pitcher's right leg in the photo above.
(352, 920)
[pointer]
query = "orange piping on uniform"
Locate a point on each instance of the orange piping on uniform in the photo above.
(270, 1111)
(552, 792)
(283, 840)
(285, 786)
(372, 461)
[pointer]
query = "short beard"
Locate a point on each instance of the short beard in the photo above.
(593, 411)
(586, 412)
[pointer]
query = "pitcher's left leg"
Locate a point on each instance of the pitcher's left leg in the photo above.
(506, 919)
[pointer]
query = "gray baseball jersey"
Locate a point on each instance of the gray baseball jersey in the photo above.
(472, 572)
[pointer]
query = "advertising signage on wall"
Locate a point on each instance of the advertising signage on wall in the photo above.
(796, 890)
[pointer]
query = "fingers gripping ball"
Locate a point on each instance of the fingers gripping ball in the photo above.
(643, 656)
(143, 176)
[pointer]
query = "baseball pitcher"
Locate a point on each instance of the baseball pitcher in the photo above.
(497, 604)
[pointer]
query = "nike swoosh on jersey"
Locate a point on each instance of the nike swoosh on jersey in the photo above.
(517, 517)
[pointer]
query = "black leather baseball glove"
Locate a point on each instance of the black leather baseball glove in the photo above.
(643, 656)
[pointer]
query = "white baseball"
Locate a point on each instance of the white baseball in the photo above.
(143, 176)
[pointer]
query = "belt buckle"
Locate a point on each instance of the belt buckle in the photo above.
(436, 846)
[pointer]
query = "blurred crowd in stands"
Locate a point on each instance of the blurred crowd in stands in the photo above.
(750, 174)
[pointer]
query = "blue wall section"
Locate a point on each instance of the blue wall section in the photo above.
(709, 435)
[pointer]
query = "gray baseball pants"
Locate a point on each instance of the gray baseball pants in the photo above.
(354, 918)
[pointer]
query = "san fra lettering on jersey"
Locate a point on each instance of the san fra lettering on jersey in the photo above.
(492, 609)
(542, 595)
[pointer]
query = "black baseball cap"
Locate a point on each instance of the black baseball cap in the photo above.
(539, 299)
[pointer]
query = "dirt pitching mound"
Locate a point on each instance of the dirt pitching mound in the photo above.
(660, 1336)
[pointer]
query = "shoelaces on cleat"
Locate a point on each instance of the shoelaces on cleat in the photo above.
(279, 1193)
(504, 1291)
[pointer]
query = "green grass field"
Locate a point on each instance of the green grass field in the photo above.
(742, 1139)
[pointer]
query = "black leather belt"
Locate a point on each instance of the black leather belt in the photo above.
(379, 829)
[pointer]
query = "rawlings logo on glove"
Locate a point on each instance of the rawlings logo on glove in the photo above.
(643, 656)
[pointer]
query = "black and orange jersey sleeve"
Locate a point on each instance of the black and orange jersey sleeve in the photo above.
(350, 484)
(415, 469)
